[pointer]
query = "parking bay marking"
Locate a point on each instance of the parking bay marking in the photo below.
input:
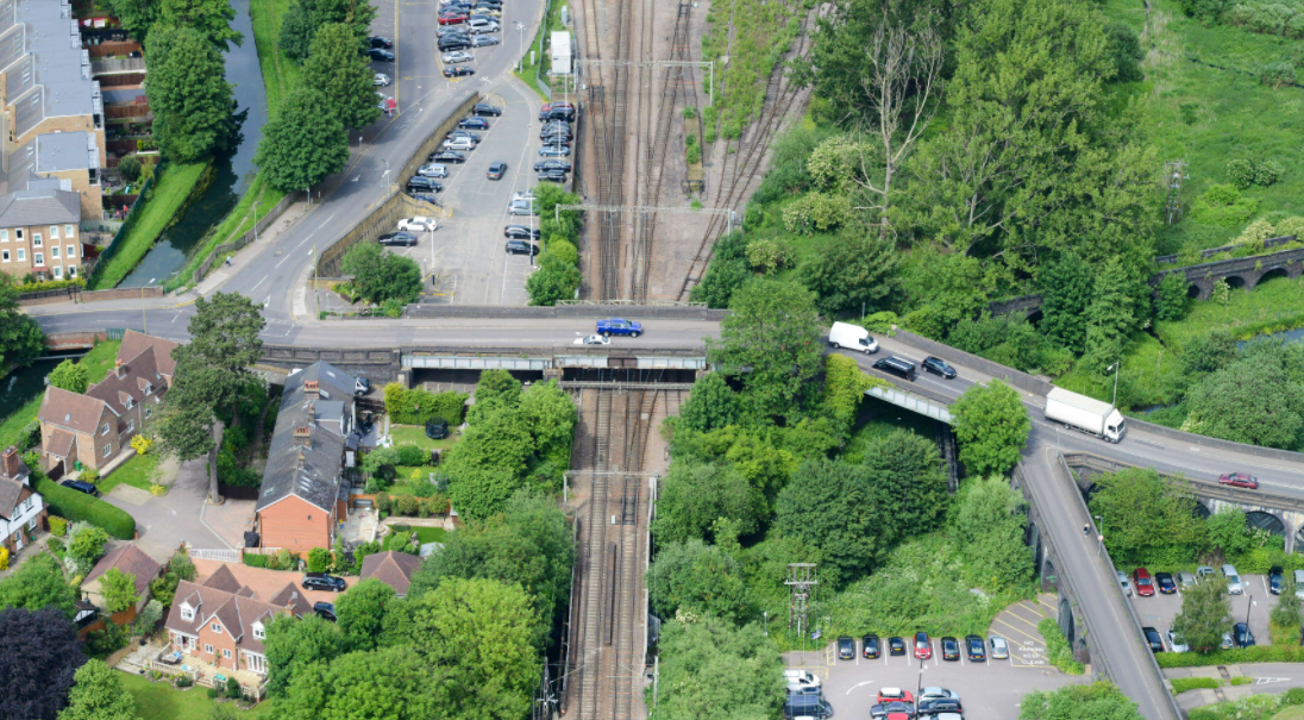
(1268, 680)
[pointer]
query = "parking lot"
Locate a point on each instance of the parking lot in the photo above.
(1159, 610)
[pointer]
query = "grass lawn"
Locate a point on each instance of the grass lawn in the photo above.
(162, 209)
(416, 435)
(98, 361)
(1290, 713)
(161, 701)
(1273, 306)
(136, 472)
(430, 534)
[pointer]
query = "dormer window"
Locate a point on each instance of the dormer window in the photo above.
(129, 403)
(187, 612)
(149, 388)
(259, 632)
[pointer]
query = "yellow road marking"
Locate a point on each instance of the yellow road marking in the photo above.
(1030, 637)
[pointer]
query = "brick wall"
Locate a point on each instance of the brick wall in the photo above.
(295, 525)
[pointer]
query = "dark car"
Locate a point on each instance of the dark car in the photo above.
(401, 239)
(892, 710)
(81, 486)
(1152, 637)
(556, 131)
(322, 581)
(896, 646)
(520, 232)
(1275, 579)
(619, 326)
(448, 156)
(454, 44)
(1165, 582)
(1244, 480)
(567, 114)
(551, 107)
(473, 123)
(380, 55)
(869, 646)
(561, 150)
(417, 182)
(950, 648)
(436, 428)
(939, 705)
(380, 42)
(1242, 636)
(562, 165)
(923, 646)
(325, 610)
(846, 648)
(486, 109)
(520, 247)
(497, 170)
(557, 176)
(472, 136)
(458, 71)
(1145, 587)
(977, 650)
(555, 138)
(938, 366)
(424, 197)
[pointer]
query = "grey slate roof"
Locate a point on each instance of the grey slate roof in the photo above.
(39, 206)
(313, 471)
(59, 151)
(62, 69)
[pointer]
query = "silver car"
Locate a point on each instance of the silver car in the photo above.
(458, 56)
(1234, 586)
(521, 207)
(1176, 642)
(1204, 571)
(1124, 582)
(433, 170)
(1185, 579)
(1000, 650)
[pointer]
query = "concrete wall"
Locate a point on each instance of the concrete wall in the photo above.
(566, 311)
(1018, 379)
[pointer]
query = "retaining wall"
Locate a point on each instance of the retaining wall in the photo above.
(1018, 379)
(245, 240)
(564, 311)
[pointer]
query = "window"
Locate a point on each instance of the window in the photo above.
(107, 449)
(72, 252)
(18, 233)
(58, 272)
(4, 236)
(259, 632)
(226, 653)
(129, 403)
(38, 259)
(4, 256)
(104, 429)
(187, 612)
(36, 240)
(216, 628)
(54, 232)
(131, 426)
(69, 231)
(148, 411)
(72, 271)
(208, 648)
(22, 254)
(54, 251)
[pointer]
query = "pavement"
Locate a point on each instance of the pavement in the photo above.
(1018, 625)
(181, 516)
(1265, 678)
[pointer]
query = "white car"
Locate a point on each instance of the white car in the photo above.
(417, 224)
(1124, 582)
(593, 340)
(1176, 642)
(433, 170)
(458, 56)
(483, 27)
(937, 692)
(528, 195)
(381, 80)
(801, 679)
(459, 143)
(1234, 586)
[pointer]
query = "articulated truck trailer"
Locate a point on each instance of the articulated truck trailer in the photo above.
(1086, 414)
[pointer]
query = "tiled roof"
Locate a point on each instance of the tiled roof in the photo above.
(312, 471)
(60, 444)
(292, 597)
(236, 612)
(39, 206)
(223, 580)
(131, 560)
(11, 493)
(391, 567)
(123, 383)
(71, 410)
(134, 343)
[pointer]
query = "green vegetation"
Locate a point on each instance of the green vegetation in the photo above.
(137, 472)
(76, 506)
(558, 276)
(1071, 702)
(1058, 651)
(162, 701)
(21, 339)
(280, 74)
(1251, 707)
(381, 277)
(755, 35)
(537, 71)
(168, 194)
(416, 435)
(414, 406)
(97, 362)
(1181, 685)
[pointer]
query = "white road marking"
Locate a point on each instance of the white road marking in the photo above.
(853, 687)
(260, 282)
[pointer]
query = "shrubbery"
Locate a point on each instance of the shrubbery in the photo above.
(415, 406)
(558, 276)
(77, 506)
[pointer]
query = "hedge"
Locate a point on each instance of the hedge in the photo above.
(252, 560)
(77, 506)
(1257, 653)
(415, 406)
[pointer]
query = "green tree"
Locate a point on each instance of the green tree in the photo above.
(697, 578)
(1250, 401)
(1206, 614)
(709, 668)
(305, 16)
(319, 560)
(1098, 701)
(774, 330)
(382, 276)
(210, 17)
(989, 528)
(188, 93)
(361, 613)
(501, 439)
(1209, 353)
(480, 631)
(853, 272)
(907, 482)
(1146, 515)
(21, 338)
(38, 583)
(385, 684)
(479, 492)
(992, 427)
(136, 16)
(336, 68)
(1115, 312)
(70, 376)
(497, 389)
(550, 414)
(1172, 301)
(98, 695)
(119, 590)
(694, 494)
(1125, 52)
(87, 546)
(294, 645)
(832, 505)
(1286, 613)
(1066, 288)
(711, 405)
(129, 168)
(844, 388)
(1228, 531)
(301, 145)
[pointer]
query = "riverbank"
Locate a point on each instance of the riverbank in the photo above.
(173, 188)
(97, 362)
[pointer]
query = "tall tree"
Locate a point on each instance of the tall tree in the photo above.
(1118, 308)
(709, 668)
(305, 16)
(1145, 514)
(550, 414)
(361, 613)
(70, 376)
(39, 657)
(496, 389)
(832, 505)
(775, 331)
(36, 584)
(302, 144)
(1206, 614)
(992, 427)
(711, 405)
(697, 578)
(990, 529)
(853, 272)
(210, 17)
(382, 276)
(136, 16)
(386, 684)
(1250, 401)
(1066, 291)
(1286, 612)
(21, 338)
(342, 74)
(99, 695)
(294, 645)
(695, 494)
(188, 93)
(909, 486)
(1098, 701)
(119, 590)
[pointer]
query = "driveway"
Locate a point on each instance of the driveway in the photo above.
(181, 516)
(1267, 678)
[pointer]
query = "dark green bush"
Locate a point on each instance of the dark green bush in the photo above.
(252, 560)
(76, 506)
(412, 455)
(401, 527)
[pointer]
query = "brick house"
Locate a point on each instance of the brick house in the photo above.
(39, 232)
(22, 510)
(94, 428)
(131, 560)
(304, 493)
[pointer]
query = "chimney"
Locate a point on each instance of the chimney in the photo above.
(312, 412)
(118, 369)
(10, 464)
(303, 436)
(310, 387)
(300, 461)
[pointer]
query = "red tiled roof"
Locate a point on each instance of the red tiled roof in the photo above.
(71, 410)
(236, 613)
(392, 567)
(60, 443)
(134, 343)
(131, 560)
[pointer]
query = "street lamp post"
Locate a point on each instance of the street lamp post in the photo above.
(386, 175)
(520, 44)
(1100, 535)
(1115, 367)
(767, 623)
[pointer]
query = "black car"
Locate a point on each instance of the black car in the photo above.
(950, 648)
(552, 165)
(448, 44)
(496, 170)
(938, 366)
(424, 197)
(448, 156)
(520, 232)
(1152, 637)
(436, 428)
(486, 109)
(520, 247)
(881, 711)
(555, 136)
(325, 610)
(556, 126)
(1275, 579)
(846, 648)
(939, 705)
(896, 646)
(555, 150)
(567, 114)
(977, 650)
(81, 486)
(380, 42)
(417, 182)
(1242, 636)
(557, 176)
(401, 239)
(1165, 583)
(380, 55)
(869, 646)
(473, 123)
(322, 581)
(458, 71)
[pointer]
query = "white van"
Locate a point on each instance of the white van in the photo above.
(852, 337)
(801, 679)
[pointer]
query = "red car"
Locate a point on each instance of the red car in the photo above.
(452, 19)
(1145, 587)
(888, 694)
(1244, 480)
(923, 646)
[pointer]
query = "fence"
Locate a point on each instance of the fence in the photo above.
(231, 556)
(1206, 254)
(248, 238)
(107, 253)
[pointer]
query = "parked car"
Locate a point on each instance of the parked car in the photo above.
(1123, 582)
(1185, 578)
(923, 646)
(801, 678)
(557, 176)
(1152, 637)
(567, 114)
(846, 648)
(475, 137)
(556, 150)
(520, 247)
(458, 71)
(1243, 480)
(484, 41)
(473, 123)
(486, 109)
(459, 143)
(81, 486)
(452, 19)
(483, 25)
(1176, 643)
(1276, 579)
(400, 239)
(496, 170)
(592, 340)
(520, 207)
(381, 80)
(457, 56)
(1299, 584)
(520, 232)
(869, 646)
(1204, 571)
(950, 648)
(807, 706)
(377, 41)
(1165, 583)
(418, 224)
(1000, 649)
(322, 581)
(454, 43)
(894, 694)
(447, 156)
(1145, 587)
(487, 11)
(933, 707)
(424, 197)
(433, 170)
(562, 165)
(976, 650)
(896, 645)
(325, 610)
(1242, 635)
(436, 428)
(938, 366)
(380, 55)
(895, 710)
(1234, 586)
(619, 326)
(932, 692)
(418, 182)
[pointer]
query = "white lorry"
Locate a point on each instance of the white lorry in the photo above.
(1089, 415)
(852, 337)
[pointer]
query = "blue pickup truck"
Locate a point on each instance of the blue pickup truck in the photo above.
(619, 326)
